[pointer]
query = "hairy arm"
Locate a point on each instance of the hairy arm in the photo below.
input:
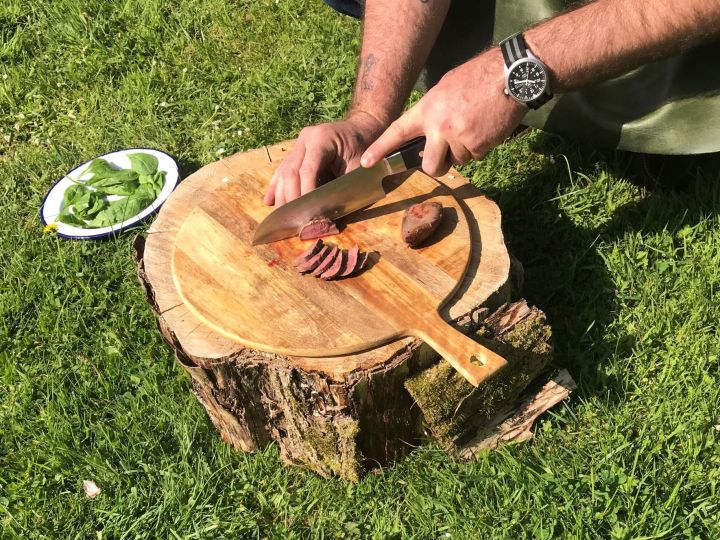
(397, 37)
(466, 114)
(606, 38)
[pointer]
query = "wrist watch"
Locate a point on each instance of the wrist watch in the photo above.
(526, 77)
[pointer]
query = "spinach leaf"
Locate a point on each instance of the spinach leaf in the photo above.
(126, 188)
(114, 178)
(97, 167)
(66, 216)
(143, 163)
(72, 194)
(158, 181)
(89, 207)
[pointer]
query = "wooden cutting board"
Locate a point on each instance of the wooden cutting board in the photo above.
(252, 294)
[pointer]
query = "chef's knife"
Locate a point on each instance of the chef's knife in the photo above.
(340, 197)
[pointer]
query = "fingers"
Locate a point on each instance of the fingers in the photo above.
(285, 183)
(436, 159)
(403, 129)
(460, 155)
(316, 160)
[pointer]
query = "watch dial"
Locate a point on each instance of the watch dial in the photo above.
(527, 81)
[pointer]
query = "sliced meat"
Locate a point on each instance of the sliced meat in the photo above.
(315, 260)
(327, 261)
(337, 267)
(362, 261)
(420, 221)
(351, 261)
(307, 255)
(317, 227)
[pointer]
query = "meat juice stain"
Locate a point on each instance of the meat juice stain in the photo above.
(272, 262)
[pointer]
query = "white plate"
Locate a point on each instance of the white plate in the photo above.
(53, 200)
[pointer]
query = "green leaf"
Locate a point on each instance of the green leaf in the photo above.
(85, 201)
(113, 178)
(159, 181)
(126, 188)
(143, 163)
(72, 194)
(97, 167)
(67, 217)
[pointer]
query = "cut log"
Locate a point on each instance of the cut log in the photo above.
(346, 415)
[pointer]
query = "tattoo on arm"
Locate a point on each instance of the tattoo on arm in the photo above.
(366, 82)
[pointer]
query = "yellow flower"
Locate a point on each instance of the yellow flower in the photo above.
(50, 228)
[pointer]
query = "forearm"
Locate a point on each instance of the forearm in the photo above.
(397, 38)
(606, 38)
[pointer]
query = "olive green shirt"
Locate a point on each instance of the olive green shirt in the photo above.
(667, 107)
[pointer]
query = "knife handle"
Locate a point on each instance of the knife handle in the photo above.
(411, 152)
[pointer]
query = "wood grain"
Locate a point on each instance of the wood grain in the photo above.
(252, 294)
(485, 283)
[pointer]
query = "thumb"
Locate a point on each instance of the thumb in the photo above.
(400, 131)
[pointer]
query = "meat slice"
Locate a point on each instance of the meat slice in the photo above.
(420, 221)
(307, 255)
(327, 261)
(362, 261)
(337, 267)
(318, 227)
(351, 261)
(315, 260)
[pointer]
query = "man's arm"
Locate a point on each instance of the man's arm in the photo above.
(467, 114)
(397, 38)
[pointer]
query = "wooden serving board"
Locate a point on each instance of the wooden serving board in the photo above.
(253, 295)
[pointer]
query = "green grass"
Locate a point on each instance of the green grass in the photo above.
(629, 278)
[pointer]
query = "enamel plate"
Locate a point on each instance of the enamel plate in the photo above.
(53, 200)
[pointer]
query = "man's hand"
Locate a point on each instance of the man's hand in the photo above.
(463, 117)
(321, 153)
(397, 37)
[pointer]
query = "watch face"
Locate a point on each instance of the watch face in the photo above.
(527, 80)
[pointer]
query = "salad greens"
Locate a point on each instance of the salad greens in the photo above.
(104, 196)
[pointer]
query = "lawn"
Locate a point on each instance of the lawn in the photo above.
(628, 276)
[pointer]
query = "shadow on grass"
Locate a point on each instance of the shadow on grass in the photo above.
(565, 274)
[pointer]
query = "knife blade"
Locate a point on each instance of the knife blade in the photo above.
(340, 197)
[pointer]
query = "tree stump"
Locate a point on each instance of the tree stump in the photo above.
(346, 415)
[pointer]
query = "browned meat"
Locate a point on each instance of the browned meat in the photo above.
(337, 266)
(351, 261)
(317, 227)
(327, 261)
(315, 260)
(307, 255)
(362, 261)
(420, 221)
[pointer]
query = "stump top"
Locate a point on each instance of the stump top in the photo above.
(488, 268)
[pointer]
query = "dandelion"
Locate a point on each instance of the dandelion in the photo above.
(184, 70)
(91, 489)
(5, 76)
(220, 151)
(164, 104)
(50, 228)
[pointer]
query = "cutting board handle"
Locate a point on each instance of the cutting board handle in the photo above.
(473, 361)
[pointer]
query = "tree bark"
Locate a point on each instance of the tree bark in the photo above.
(381, 404)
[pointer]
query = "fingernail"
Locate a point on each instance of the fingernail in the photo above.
(365, 160)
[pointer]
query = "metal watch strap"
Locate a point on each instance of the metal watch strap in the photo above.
(513, 49)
